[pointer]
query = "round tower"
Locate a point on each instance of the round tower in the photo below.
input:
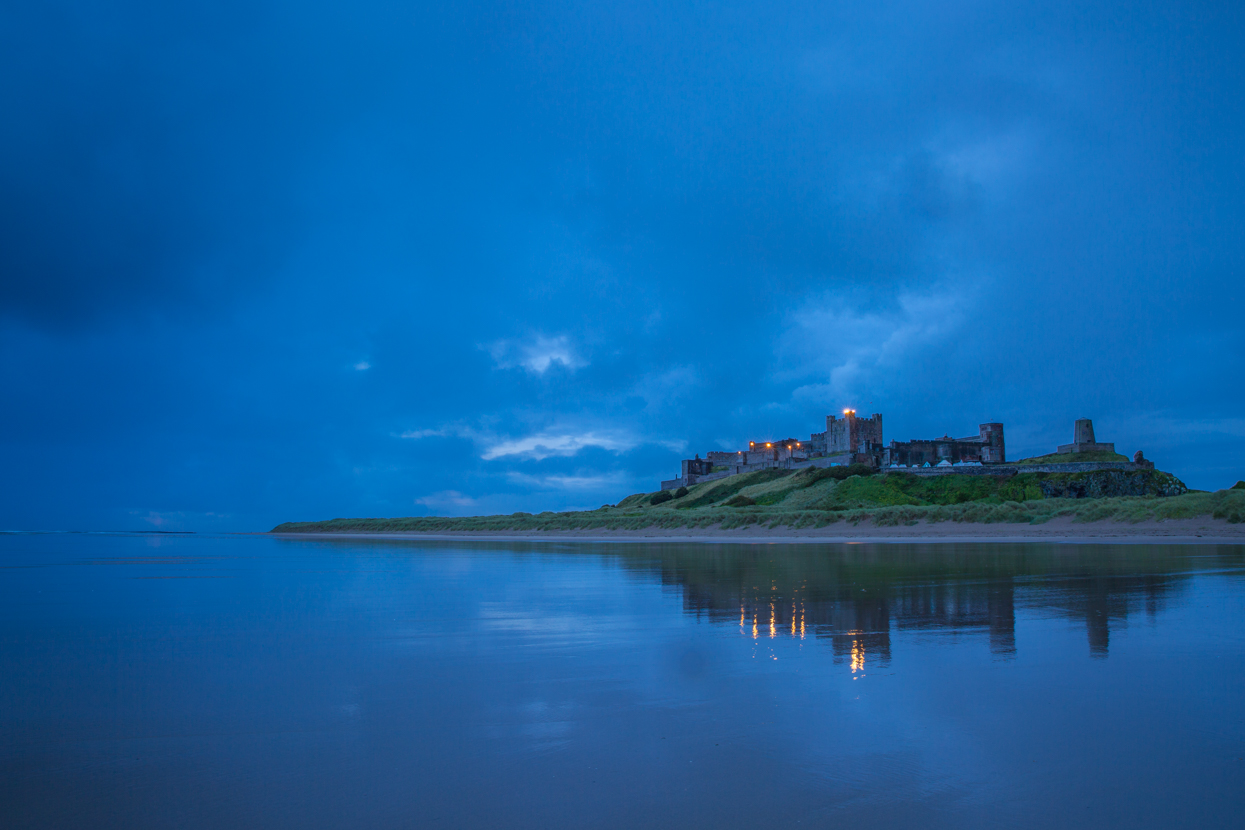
(993, 450)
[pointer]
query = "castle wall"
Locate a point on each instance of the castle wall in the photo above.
(1011, 470)
(696, 467)
(987, 447)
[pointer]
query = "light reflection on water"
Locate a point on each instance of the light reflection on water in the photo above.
(206, 682)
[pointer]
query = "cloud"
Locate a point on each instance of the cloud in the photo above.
(537, 355)
(362, 366)
(447, 500)
(538, 446)
(159, 520)
(416, 434)
(177, 519)
(665, 387)
(545, 444)
(568, 482)
(849, 347)
(1164, 429)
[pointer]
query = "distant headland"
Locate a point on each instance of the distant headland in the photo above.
(845, 482)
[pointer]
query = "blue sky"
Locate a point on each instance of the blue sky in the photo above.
(275, 261)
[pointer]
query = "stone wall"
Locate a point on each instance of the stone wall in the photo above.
(1004, 470)
(986, 447)
(1013, 469)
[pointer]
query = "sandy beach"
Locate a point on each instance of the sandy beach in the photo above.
(1061, 530)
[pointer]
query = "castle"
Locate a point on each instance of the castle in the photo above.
(986, 447)
(858, 440)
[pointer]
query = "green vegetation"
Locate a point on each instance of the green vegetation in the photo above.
(1240, 485)
(680, 493)
(816, 497)
(1073, 458)
(702, 495)
(631, 501)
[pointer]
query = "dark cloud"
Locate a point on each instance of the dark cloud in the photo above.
(727, 218)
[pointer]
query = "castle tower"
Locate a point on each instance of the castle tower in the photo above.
(851, 434)
(1083, 439)
(1083, 432)
(993, 451)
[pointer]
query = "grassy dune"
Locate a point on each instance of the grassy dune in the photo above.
(821, 497)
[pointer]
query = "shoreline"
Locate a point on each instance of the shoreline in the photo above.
(1201, 530)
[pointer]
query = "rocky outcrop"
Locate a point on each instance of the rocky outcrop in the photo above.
(1108, 483)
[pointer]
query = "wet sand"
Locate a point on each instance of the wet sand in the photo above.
(1174, 531)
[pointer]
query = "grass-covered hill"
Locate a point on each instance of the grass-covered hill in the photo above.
(1074, 458)
(816, 497)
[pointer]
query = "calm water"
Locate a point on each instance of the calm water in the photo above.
(211, 682)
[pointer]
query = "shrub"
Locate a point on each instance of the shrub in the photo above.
(1240, 485)
(1020, 488)
(773, 497)
(812, 475)
(680, 493)
(661, 498)
(1231, 506)
(739, 501)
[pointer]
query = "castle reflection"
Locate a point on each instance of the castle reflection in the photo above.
(856, 597)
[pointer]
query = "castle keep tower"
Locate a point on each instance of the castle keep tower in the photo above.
(854, 436)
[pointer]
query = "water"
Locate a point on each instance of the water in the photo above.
(207, 682)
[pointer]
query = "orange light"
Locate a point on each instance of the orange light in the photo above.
(769, 445)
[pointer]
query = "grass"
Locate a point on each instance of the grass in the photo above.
(1073, 458)
(701, 495)
(810, 498)
(1223, 504)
